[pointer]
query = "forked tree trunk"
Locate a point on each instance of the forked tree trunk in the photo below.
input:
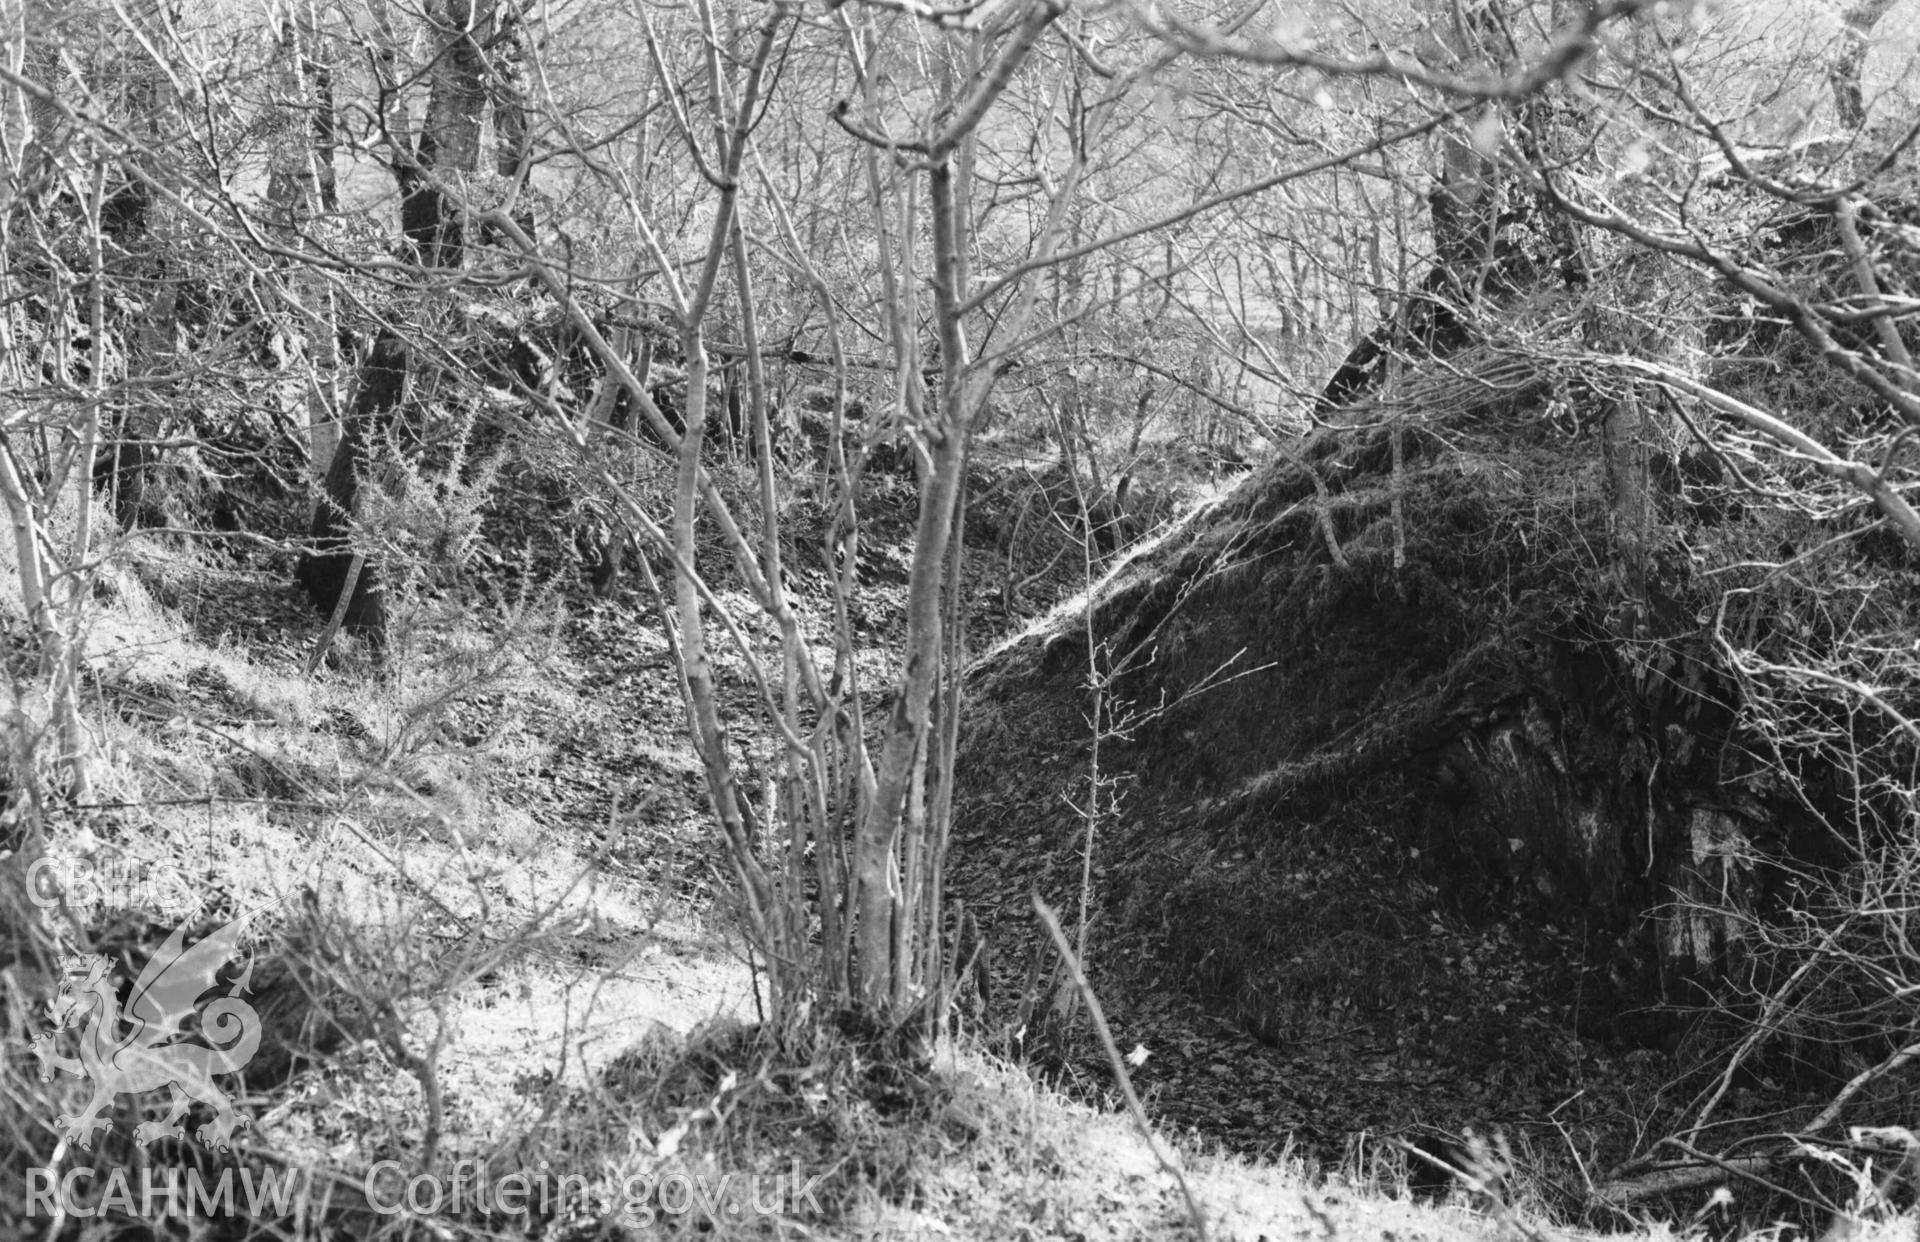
(432, 177)
(434, 181)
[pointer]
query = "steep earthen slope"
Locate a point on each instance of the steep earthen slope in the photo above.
(1439, 835)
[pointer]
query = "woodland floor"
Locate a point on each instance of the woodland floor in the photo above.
(622, 779)
(594, 812)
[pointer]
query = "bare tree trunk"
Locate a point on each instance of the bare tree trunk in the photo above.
(124, 210)
(328, 570)
(900, 789)
(292, 174)
(301, 182)
(433, 186)
(32, 124)
(1849, 100)
(1466, 197)
(1625, 435)
(137, 448)
(53, 613)
(433, 210)
(391, 79)
(306, 137)
(512, 138)
(318, 67)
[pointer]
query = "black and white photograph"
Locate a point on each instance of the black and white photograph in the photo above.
(960, 620)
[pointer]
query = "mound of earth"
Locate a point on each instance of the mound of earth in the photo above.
(1402, 780)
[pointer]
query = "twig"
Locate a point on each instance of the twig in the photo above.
(1119, 1064)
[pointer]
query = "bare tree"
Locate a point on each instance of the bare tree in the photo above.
(1856, 31)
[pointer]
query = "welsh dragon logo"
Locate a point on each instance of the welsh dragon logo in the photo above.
(146, 1056)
